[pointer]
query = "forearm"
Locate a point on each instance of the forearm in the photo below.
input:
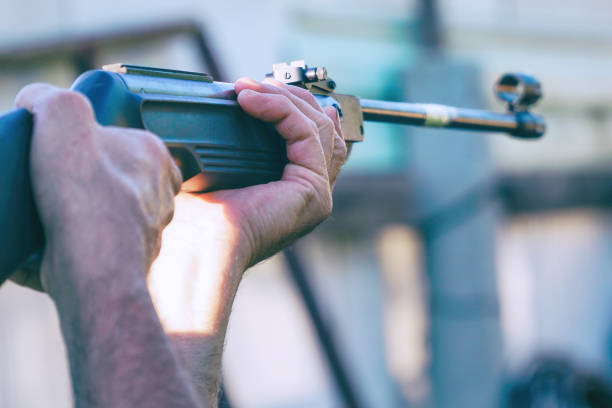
(193, 291)
(197, 324)
(201, 357)
(119, 355)
(215, 236)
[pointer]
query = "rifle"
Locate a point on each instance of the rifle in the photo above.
(216, 145)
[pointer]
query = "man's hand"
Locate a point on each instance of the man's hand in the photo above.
(104, 195)
(92, 183)
(215, 236)
(97, 188)
(275, 214)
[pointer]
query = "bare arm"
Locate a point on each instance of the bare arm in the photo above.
(215, 237)
(119, 355)
(192, 292)
(104, 195)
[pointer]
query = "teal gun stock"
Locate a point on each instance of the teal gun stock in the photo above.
(217, 145)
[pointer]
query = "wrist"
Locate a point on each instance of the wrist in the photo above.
(193, 290)
(196, 275)
(75, 268)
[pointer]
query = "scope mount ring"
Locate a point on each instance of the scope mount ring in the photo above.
(519, 91)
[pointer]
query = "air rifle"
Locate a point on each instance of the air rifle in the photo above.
(217, 145)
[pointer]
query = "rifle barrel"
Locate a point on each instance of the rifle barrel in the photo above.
(441, 116)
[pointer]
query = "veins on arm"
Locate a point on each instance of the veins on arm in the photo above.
(119, 354)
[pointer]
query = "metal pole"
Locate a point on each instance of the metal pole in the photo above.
(430, 30)
(521, 124)
(434, 115)
(323, 332)
(459, 243)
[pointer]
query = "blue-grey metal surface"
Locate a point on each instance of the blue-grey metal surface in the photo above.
(460, 255)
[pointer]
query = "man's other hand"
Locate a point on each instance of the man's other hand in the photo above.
(215, 236)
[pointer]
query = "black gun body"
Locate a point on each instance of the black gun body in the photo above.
(199, 120)
(20, 229)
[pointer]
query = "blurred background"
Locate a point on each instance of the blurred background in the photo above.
(457, 270)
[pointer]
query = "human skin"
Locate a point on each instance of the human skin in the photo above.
(104, 195)
(211, 241)
(214, 237)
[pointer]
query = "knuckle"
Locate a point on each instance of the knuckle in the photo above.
(310, 128)
(76, 102)
(281, 89)
(309, 97)
(340, 149)
(30, 94)
(320, 198)
(279, 98)
(326, 207)
(327, 124)
(294, 89)
(272, 103)
(154, 144)
(303, 94)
